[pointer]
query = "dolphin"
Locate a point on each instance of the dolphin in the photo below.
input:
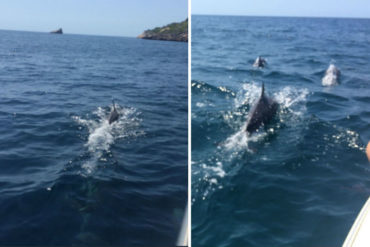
(331, 77)
(113, 114)
(262, 112)
(260, 62)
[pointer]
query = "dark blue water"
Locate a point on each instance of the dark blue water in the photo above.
(302, 179)
(67, 177)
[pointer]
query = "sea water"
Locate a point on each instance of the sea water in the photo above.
(303, 178)
(67, 177)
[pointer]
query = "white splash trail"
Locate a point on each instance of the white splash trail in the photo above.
(102, 134)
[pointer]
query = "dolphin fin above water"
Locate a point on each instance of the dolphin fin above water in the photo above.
(260, 62)
(262, 112)
(113, 115)
(331, 77)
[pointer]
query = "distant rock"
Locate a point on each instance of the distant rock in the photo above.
(172, 32)
(58, 31)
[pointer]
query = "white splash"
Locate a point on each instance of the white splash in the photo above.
(331, 77)
(102, 134)
(216, 170)
(249, 94)
(200, 104)
(292, 99)
(211, 174)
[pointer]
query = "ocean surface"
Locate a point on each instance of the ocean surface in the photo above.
(303, 178)
(67, 177)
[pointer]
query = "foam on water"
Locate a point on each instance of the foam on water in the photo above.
(248, 95)
(216, 170)
(288, 97)
(211, 175)
(240, 140)
(200, 104)
(102, 134)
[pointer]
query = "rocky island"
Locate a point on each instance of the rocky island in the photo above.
(177, 31)
(58, 31)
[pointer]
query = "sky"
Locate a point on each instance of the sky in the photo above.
(97, 17)
(308, 8)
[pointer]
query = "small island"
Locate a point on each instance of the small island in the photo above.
(172, 32)
(58, 31)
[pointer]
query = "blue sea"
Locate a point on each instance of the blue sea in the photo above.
(303, 178)
(67, 177)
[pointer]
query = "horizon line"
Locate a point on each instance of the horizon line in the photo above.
(48, 32)
(286, 16)
(105, 35)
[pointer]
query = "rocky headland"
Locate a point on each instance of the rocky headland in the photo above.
(177, 31)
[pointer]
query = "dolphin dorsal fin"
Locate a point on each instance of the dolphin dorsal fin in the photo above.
(114, 104)
(263, 89)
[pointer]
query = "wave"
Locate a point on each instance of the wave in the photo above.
(243, 68)
(203, 87)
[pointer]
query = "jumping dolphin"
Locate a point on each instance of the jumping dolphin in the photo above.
(262, 112)
(113, 115)
(331, 77)
(260, 62)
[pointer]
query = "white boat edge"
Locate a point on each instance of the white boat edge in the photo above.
(359, 235)
(183, 235)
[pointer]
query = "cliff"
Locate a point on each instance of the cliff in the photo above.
(172, 32)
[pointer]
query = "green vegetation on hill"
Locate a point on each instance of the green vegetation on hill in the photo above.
(173, 32)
